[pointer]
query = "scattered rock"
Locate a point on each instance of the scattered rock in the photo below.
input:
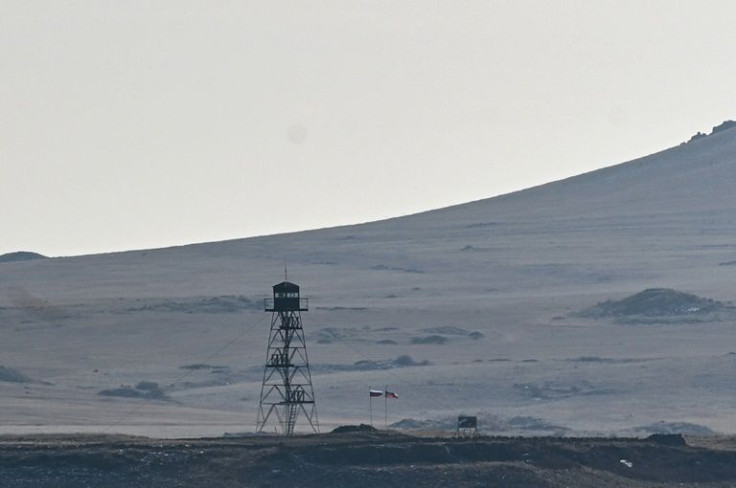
(447, 330)
(654, 302)
(593, 359)
(534, 424)
(216, 304)
(432, 339)
(402, 361)
(327, 335)
(145, 389)
(550, 390)
(424, 424)
(383, 267)
(405, 360)
(697, 135)
(728, 124)
(202, 366)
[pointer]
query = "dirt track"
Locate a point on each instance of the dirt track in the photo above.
(358, 460)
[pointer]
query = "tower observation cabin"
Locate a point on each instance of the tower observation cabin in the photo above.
(286, 299)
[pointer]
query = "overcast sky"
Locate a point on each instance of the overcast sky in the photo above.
(140, 124)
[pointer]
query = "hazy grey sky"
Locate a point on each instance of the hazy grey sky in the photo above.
(138, 124)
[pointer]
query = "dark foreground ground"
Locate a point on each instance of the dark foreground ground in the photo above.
(365, 460)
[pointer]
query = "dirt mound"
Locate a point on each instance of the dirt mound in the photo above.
(353, 428)
(655, 303)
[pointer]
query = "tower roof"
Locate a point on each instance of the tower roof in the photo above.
(286, 286)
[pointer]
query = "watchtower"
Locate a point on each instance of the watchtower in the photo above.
(287, 383)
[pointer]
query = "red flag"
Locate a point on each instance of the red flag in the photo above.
(390, 394)
(375, 393)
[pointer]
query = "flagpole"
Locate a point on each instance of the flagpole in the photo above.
(370, 403)
(385, 398)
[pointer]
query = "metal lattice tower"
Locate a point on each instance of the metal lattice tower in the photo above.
(287, 383)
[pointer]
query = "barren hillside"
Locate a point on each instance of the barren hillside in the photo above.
(500, 281)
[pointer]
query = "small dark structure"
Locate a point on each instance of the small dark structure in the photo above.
(467, 426)
(287, 382)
